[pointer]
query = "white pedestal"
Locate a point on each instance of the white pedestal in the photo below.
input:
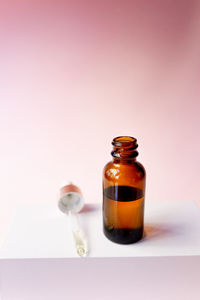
(39, 261)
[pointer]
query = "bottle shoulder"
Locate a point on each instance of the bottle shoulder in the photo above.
(140, 168)
(117, 170)
(135, 164)
(108, 166)
(111, 171)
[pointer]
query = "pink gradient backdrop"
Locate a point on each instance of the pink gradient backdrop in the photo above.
(75, 74)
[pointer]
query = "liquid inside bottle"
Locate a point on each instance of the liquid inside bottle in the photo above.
(123, 213)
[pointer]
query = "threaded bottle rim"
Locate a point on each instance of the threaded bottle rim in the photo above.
(124, 147)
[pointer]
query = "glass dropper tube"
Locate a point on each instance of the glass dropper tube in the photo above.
(71, 202)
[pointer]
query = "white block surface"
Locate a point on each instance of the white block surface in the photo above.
(42, 231)
(140, 278)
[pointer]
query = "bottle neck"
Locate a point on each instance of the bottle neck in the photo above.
(124, 149)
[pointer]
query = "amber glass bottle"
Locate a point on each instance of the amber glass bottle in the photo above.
(123, 193)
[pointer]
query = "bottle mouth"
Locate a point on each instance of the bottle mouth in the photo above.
(124, 146)
(124, 141)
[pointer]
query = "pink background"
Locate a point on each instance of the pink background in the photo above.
(75, 74)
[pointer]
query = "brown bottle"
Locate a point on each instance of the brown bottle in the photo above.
(123, 193)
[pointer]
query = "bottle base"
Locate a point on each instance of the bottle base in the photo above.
(123, 235)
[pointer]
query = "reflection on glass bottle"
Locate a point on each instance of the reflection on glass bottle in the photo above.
(123, 193)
